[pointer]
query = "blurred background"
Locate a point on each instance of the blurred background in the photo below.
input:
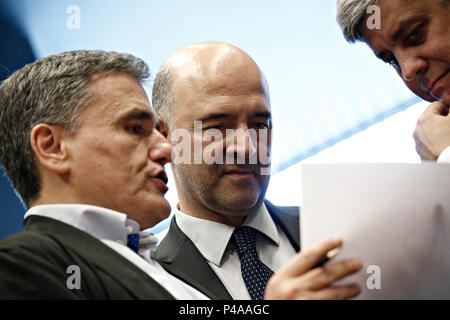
(331, 101)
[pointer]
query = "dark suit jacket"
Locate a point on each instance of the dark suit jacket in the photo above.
(180, 257)
(33, 265)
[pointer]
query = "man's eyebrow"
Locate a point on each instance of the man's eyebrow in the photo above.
(214, 116)
(138, 114)
(263, 114)
(403, 25)
(220, 116)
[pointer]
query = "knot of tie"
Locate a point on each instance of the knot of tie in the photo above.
(133, 242)
(244, 240)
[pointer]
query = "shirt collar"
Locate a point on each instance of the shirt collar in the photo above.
(212, 238)
(263, 222)
(102, 223)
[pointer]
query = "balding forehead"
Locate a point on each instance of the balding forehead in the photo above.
(209, 50)
(208, 59)
(214, 68)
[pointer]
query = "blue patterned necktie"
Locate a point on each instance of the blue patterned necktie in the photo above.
(254, 272)
(133, 242)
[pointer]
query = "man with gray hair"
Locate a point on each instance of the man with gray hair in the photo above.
(413, 37)
(81, 145)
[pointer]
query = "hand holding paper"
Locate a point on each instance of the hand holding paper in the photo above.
(300, 279)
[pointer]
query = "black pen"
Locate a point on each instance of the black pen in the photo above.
(330, 255)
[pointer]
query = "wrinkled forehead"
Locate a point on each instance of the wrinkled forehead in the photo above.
(230, 97)
(117, 94)
(237, 93)
(380, 28)
(232, 80)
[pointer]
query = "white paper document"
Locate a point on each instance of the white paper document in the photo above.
(394, 218)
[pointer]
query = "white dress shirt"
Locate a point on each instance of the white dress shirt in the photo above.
(112, 228)
(444, 157)
(212, 239)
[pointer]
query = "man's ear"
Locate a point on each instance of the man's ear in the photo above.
(47, 142)
(164, 127)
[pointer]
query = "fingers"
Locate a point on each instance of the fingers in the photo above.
(432, 132)
(306, 259)
(319, 278)
(316, 284)
(301, 280)
(336, 293)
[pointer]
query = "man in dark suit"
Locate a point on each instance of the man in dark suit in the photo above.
(226, 240)
(81, 145)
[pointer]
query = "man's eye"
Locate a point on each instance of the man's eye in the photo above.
(263, 126)
(414, 34)
(135, 128)
(418, 35)
(415, 37)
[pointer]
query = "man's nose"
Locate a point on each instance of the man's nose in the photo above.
(160, 148)
(241, 143)
(411, 65)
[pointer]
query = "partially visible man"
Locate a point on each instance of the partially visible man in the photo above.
(414, 39)
(226, 239)
(80, 143)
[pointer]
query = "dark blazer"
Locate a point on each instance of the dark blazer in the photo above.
(33, 265)
(180, 257)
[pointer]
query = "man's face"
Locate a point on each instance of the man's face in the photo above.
(232, 100)
(415, 38)
(117, 153)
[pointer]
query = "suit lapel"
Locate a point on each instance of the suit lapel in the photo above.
(288, 218)
(137, 282)
(179, 256)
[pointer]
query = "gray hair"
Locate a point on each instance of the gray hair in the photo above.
(351, 13)
(53, 90)
(163, 95)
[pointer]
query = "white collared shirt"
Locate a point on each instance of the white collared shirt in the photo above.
(212, 239)
(112, 228)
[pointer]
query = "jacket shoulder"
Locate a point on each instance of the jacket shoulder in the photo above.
(33, 266)
(39, 264)
(27, 241)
